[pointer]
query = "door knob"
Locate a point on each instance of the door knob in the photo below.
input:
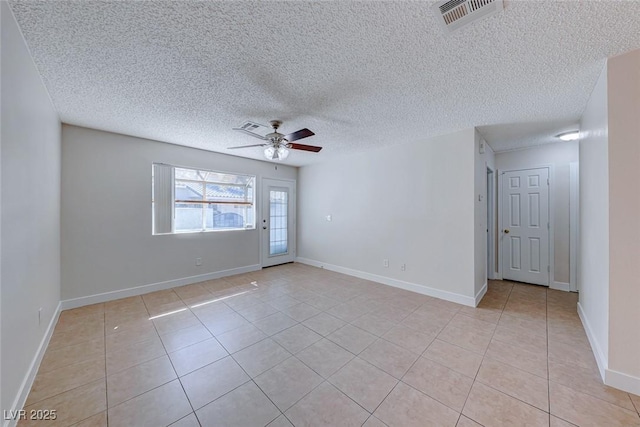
(506, 231)
(264, 227)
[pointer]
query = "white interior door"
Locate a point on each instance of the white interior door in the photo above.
(525, 226)
(278, 222)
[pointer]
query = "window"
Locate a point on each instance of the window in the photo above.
(201, 200)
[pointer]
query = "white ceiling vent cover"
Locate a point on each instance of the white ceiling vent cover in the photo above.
(255, 129)
(455, 14)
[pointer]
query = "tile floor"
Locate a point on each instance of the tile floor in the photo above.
(296, 345)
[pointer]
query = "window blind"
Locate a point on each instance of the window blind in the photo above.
(162, 198)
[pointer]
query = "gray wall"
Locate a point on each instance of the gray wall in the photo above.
(593, 256)
(107, 243)
(411, 205)
(30, 204)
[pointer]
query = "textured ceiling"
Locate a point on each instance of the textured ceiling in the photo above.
(359, 74)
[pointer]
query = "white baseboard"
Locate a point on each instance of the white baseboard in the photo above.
(27, 382)
(144, 289)
(560, 286)
(621, 381)
(481, 293)
(414, 287)
(601, 358)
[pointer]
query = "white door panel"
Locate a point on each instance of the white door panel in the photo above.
(278, 222)
(525, 220)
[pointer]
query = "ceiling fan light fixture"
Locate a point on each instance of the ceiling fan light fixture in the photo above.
(283, 152)
(270, 153)
(572, 135)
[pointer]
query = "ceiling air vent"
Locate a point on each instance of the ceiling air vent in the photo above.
(455, 14)
(255, 129)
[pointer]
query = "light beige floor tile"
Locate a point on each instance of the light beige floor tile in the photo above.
(261, 357)
(636, 401)
(364, 383)
(347, 312)
(352, 339)
(516, 383)
(220, 323)
(281, 421)
(288, 382)
(487, 314)
(325, 357)
(429, 324)
(301, 312)
(194, 292)
(138, 379)
(185, 337)
(490, 407)
(464, 361)
(439, 382)
(245, 406)
(275, 323)
(392, 359)
(130, 335)
(567, 354)
(469, 323)
(538, 327)
(312, 409)
(98, 420)
(189, 421)
(196, 356)
(72, 406)
(557, 422)
(518, 358)
(160, 406)
(373, 422)
(65, 356)
(588, 381)
(119, 324)
(257, 311)
(59, 380)
(176, 321)
(469, 339)
(284, 302)
(407, 407)
(76, 335)
(296, 338)
(466, 422)
(409, 338)
(526, 340)
(214, 380)
(585, 410)
(240, 338)
(324, 324)
(322, 302)
(374, 324)
(134, 354)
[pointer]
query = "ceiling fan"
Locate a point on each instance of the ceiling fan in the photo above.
(277, 145)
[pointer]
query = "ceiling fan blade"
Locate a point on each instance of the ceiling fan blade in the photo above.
(302, 133)
(246, 146)
(305, 147)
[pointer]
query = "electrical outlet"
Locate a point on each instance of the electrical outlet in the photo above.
(39, 316)
(198, 261)
(403, 267)
(385, 262)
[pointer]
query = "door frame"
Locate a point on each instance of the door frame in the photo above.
(501, 172)
(292, 199)
(490, 182)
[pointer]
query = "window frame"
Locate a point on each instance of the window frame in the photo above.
(252, 183)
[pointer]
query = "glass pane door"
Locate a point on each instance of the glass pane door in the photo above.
(278, 233)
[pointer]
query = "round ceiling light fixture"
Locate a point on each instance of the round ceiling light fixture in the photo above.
(571, 135)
